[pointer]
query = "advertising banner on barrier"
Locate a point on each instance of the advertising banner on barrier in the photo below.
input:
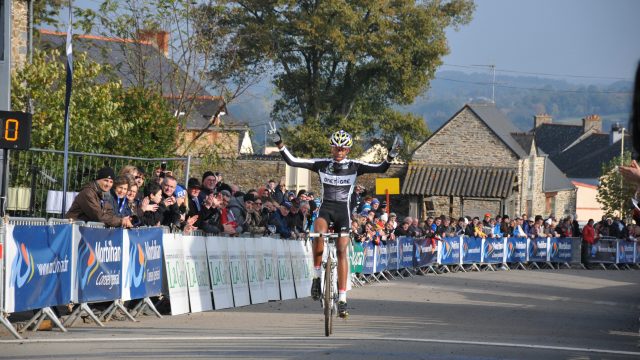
(302, 263)
(493, 250)
(626, 252)
(356, 257)
(39, 266)
(238, 263)
(560, 250)
(392, 250)
(285, 272)
(604, 251)
(255, 271)
(424, 253)
(99, 269)
(143, 266)
(382, 257)
(195, 261)
(219, 273)
(405, 252)
(271, 276)
(516, 250)
(471, 250)
(175, 280)
(449, 251)
(537, 249)
(369, 254)
(636, 253)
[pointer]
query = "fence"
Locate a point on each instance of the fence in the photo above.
(61, 263)
(36, 176)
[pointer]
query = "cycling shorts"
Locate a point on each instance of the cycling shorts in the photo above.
(337, 213)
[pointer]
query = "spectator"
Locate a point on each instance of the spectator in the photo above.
(209, 217)
(375, 206)
(230, 226)
(537, 230)
(357, 233)
(495, 230)
(193, 192)
(392, 220)
(485, 221)
(209, 183)
(93, 202)
(415, 228)
(278, 219)
(527, 224)
(153, 197)
(518, 230)
(280, 192)
(478, 230)
(307, 218)
(119, 195)
(253, 223)
(170, 217)
(403, 229)
(588, 239)
(390, 231)
(471, 226)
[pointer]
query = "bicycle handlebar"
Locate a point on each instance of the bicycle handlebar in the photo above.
(329, 235)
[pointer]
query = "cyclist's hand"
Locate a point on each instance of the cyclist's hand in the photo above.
(394, 150)
(274, 134)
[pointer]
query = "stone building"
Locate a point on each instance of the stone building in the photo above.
(478, 163)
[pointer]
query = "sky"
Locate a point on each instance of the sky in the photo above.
(595, 38)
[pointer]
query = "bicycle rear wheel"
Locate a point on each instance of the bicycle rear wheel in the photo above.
(328, 298)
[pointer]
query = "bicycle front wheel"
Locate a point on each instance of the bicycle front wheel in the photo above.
(328, 298)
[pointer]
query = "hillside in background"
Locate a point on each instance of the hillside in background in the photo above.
(520, 97)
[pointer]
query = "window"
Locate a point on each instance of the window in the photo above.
(550, 203)
(529, 207)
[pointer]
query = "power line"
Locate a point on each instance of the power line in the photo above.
(543, 74)
(534, 89)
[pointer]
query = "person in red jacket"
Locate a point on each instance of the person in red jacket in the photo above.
(588, 239)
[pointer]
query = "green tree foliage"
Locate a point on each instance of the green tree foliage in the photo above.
(343, 63)
(613, 193)
(105, 118)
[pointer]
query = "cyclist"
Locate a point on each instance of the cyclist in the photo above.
(338, 179)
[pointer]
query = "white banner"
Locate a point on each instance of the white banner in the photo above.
(255, 270)
(287, 289)
(271, 278)
(175, 282)
(195, 258)
(238, 262)
(302, 262)
(220, 276)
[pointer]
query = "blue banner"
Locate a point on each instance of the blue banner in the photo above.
(516, 250)
(99, 269)
(144, 270)
(471, 250)
(603, 251)
(450, 251)
(392, 250)
(493, 250)
(382, 257)
(369, 257)
(626, 254)
(537, 250)
(39, 262)
(405, 252)
(424, 253)
(560, 250)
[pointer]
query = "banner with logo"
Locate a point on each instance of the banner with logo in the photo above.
(493, 250)
(196, 263)
(537, 249)
(449, 251)
(302, 258)
(392, 249)
(626, 252)
(471, 250)
(271, 274)
(515, 250)
(285, 272)
(219, 271)
(255, 271)
(382, 257)
(39, 266)
(604, 251)
(143, 265)
(425, 253)
(637, 253)
(238, 264)
(369, 250)
(176, 273)
(99, 269)
(405, 252)
(560, 250)
(356, 257)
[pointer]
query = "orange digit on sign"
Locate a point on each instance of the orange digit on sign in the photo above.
(9, 133)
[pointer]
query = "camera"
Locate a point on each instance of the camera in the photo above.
(163, 168)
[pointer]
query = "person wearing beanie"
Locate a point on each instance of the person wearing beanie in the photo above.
(93, 203)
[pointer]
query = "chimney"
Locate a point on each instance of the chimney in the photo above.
(616, 133)
(159, 39)
(541, 119)
(592, 122)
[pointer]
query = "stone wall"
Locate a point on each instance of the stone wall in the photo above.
(18, 33)
(465, 140)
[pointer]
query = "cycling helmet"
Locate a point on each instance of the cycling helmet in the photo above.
(341, 138)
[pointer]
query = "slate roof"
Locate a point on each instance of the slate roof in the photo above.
(483, 182)
(590, 164)
(553, 138)
(500, 125)
(524, 140)
(553, 179)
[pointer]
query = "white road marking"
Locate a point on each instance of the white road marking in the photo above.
(294, 338)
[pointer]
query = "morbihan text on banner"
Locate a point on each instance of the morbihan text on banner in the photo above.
(143, 265)
(99, 270)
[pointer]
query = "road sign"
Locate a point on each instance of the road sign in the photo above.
(389, 186)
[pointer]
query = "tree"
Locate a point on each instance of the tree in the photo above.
(613, 192)
(342, 63)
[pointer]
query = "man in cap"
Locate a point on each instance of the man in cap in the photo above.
(93, 202)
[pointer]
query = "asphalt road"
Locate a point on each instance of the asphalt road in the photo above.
(566, 314)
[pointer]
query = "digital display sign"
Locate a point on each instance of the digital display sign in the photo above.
(15, 130)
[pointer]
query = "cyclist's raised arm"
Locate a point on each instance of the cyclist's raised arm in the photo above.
(297, 162)
(367, 168)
